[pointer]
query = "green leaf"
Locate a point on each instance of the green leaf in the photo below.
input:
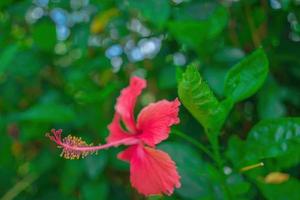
(198, 98)
(44, 35)
(43, 162)
(179, 73)
(246, 77)
(4, 3)
(7, 56)
(6, 144)
(80, 35)
(167, 78)
(273, 141)
(214, 77)
(229, 55)
(95, 164)
(50, 113)
(236, 151)
(274, 138)
(238, 187)
(197, 177)
(71, 175)
(194, 32)
(31, 130)
(287, 190)
(270, 101)
(31, 60)
(155, 11)
(195, 10)
(95, 190)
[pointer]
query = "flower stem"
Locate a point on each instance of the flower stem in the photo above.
(216, 149)
(20, 186)
(219, 161)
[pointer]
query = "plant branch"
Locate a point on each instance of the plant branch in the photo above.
(20, 186)
(213, 138)
(255, 36)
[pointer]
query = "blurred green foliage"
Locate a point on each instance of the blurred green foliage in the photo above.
(63, 63)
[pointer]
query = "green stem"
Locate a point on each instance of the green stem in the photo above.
(20, 186)
(216, 156)
(216, 150)
(194, 142)
(255, 36)
(219, 161)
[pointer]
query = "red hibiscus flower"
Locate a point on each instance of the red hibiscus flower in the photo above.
(152, 171)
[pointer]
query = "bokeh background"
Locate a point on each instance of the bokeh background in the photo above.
(63, 64)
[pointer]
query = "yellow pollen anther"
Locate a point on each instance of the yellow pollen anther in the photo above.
(247, 168)
(69, 153)
(276, 178)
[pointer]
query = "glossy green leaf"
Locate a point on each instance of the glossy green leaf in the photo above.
(197, 177)
(198, 98)
(274, 138)
(48, 113)
(287, 160)
(156, 12)
(246, 77)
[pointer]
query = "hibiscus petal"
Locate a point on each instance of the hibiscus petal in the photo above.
(152, 171)
(115, 130)
(154, 121)
(126, 155)
(126, 102)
